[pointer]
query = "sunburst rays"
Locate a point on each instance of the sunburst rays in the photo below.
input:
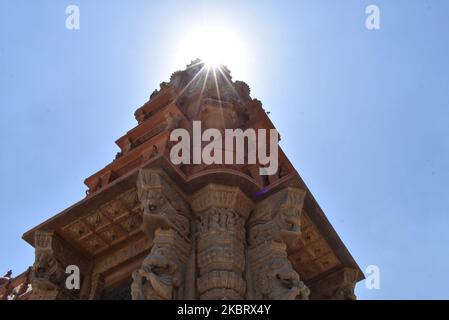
(203, 75)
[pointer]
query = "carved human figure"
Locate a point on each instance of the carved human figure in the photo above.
(159, 277)
(165, 222)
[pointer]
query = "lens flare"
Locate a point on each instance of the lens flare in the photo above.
(215, 46)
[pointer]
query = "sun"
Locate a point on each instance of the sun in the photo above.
(215, 46)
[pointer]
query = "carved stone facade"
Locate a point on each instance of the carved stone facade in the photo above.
(154, 230)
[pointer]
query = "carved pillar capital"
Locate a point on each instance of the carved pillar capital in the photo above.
(339, 285)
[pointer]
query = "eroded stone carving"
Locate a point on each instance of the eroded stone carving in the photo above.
(47, 273)
(52, 256)
(279, 281)
(166, 223)
(278, 217)
(339, 285)
(273, 275)
(162, 206)
(159, 277)
(273, 226)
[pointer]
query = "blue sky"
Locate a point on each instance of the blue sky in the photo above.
(364, 115)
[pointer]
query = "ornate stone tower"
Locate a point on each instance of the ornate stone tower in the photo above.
(152, 229)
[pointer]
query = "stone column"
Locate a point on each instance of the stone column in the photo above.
(273, 227)
(52, 256)
(166, 221)
(339, 285)
(222, 212)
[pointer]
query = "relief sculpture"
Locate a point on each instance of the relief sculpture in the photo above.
(47, 273)
(273, 226)
(159, 278)
(166, 223)
(278, 280)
